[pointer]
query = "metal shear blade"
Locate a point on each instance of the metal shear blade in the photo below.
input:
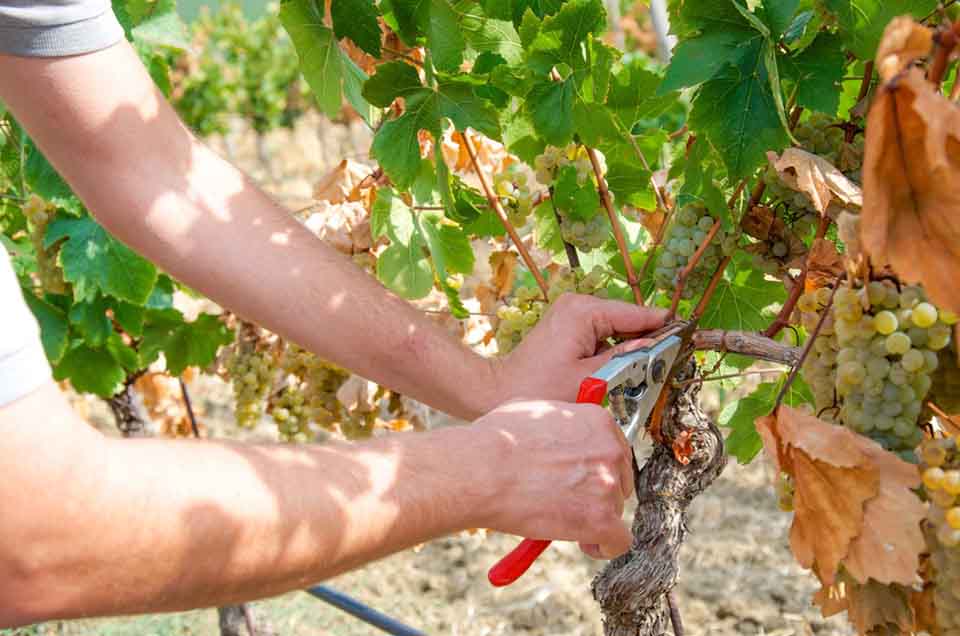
(635, 379)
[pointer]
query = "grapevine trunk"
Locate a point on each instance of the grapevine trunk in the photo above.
(632, 590)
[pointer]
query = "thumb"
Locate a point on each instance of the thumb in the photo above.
(616, 542)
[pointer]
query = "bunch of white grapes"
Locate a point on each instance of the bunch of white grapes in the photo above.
(317, 381)
(49, 273)
(878, 348)
(527, 306)
(941, 480)
(819, 134)
(584, 235)
(686, 233)
(513, 188)
(290, 412)
(252, 370)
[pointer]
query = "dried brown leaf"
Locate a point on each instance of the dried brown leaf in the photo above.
(504, 266)
(903, 42)
(853, 500)
(869, 606)
(816, 177)
(829, 504)
(824, 263)
(911, 216)
(758, 222)
(337, 185)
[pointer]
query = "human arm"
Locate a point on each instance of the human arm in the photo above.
(101, 121)
(95, 526)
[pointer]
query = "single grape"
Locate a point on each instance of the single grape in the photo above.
(898, 343)
(885, 322)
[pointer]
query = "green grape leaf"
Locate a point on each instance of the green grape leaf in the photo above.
(798, 27)
(698, 184)
(161, 297)
(396, 145)
(744, 442)
(54, 328)
(130, 317)
(90, 320)
(539, 8)
(389, 216)
(744, 299)
(818, 71)
(550, 108)
(324, 65)
(712, 35)
(778, 15)
(93, 261)
(498, 9)
(595, 124)
(546, 229)
(578, 202)
(183, 344)
(629, 182)
(392, 80)
(451, 252)
(91, 370)
(739, 115)
(444, 39)
(634, 94)
(519, 136)
(357, 20)
(403, 267)
(42, 178)
(449, 246)
(862, 21)
(126, 355)
(157, 23)
(487, 35)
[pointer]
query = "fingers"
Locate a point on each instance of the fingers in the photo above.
(610, 317)
(616, 541)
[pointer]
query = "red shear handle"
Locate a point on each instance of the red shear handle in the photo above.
(511, 567)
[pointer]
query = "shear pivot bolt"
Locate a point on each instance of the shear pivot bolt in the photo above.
(659, 367)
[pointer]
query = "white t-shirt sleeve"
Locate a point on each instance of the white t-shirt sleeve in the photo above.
(23, 364)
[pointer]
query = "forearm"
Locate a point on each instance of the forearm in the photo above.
(151, 525)
(157, 188)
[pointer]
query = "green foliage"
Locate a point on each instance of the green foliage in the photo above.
(739, 416)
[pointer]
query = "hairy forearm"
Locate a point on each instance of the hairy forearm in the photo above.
(150, 525)
(150, 182)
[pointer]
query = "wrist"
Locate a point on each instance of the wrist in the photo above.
(485, 475)
(487, 387)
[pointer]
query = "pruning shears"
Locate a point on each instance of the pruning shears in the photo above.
(632, 382)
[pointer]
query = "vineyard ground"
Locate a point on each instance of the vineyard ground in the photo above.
(731, 582)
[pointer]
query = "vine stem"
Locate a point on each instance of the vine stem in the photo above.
(691, 264)
(865, 82)
(783, 318)
(615, 223)
(189, 404)
(808, 345)
(941, 414)
(498, 209)
(728, 376)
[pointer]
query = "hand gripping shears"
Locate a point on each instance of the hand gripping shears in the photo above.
(633, 382)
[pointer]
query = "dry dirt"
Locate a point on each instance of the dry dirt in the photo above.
(737, 574)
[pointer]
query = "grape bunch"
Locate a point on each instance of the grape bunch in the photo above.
(686, 233)
(941, 481)
(290, 412)
(819, 134)
(879, 346)
(49, 273)
(252, 370)
(513, 188)
(318, 382)
(527, 306)
(588, 234)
